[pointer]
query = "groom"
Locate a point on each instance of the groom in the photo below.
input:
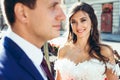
(31, 24)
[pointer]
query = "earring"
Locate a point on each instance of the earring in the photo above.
(91, 31)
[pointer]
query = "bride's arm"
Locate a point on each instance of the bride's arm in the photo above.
(111, 73)
(58, 77)
(61, 53)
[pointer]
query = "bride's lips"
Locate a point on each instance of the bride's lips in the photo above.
(80, 31)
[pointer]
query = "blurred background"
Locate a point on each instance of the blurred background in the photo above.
(108, 14)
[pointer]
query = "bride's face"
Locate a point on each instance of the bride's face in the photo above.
(81, 24)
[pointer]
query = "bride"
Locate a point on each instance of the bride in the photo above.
(83, 57)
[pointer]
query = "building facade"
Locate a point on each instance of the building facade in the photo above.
(107, 11)
(108, 14)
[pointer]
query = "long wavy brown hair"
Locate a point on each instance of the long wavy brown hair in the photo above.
(94, 38)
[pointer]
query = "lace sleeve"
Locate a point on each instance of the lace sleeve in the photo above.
(117, 60)
(115, 68)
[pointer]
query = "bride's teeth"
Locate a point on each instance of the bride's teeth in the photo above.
(80, 31)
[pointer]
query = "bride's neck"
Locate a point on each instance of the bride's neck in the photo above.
(82, 45)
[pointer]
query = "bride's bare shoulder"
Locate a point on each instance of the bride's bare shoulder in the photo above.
(64, 50)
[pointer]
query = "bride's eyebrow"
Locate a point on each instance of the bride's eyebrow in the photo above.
(83, 17)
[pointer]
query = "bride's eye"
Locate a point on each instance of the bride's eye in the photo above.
(73, 22)
(83, 20)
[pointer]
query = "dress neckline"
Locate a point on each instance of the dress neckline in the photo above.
(90, 60)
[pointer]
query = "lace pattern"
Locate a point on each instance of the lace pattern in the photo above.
(87, 70)
(115, 68)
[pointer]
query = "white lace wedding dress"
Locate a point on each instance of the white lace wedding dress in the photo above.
(87, 70)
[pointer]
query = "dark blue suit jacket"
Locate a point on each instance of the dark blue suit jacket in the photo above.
(14, 63)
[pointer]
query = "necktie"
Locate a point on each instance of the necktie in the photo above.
(46, 69)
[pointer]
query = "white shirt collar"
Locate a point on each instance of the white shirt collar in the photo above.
(34, 53)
